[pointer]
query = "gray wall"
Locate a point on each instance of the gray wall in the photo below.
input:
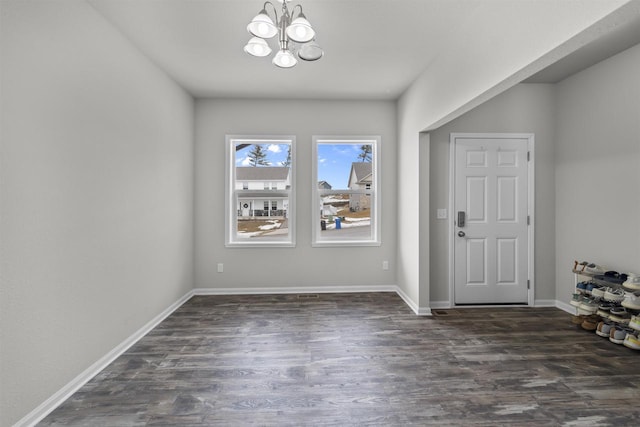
(303, 265)
(96, 196)
(525, 108)
(598, 168)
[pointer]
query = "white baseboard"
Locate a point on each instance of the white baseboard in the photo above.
(294, 290)
(440, 305)
(565, 307)
(420, 311)
(545, 303)
(45, 408)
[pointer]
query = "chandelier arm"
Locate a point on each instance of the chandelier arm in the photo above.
(294, 10)
(275, 11)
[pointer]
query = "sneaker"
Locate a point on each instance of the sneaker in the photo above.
(604, 309)
(582, 287)
(634, 322)
(617, 335)
(587, 306)
(604, 328)
(598, 291)
(619, 314)
(632, 341)
(632, 282)
(594, 269)
(575, 299)
(613, 295)
(631, 300)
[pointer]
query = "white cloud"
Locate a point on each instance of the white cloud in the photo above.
(274, 148)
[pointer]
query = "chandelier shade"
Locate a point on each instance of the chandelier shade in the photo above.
(262, 26)
(300, 30)
(257, 47)
(310, 52)
(296, 35)
(284, 59)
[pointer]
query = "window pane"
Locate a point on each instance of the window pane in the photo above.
(346, 181)
(260, 191)
(345, 216)
(345, 166)
(257, 222)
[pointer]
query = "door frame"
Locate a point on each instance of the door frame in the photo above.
(530, 140)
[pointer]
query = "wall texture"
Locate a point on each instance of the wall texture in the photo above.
(96, 193)
(302, 266)
(597, 168)
(526, 108)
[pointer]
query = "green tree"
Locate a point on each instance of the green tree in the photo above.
(287, 163)
(257, 156)
(365, 153)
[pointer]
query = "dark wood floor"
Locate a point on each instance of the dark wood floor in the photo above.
(360, 359)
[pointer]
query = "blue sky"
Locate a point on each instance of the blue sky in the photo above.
(276, 154)
(334, 160)
(334, 163)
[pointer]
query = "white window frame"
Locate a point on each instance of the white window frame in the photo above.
(232, 194)
(374, 192)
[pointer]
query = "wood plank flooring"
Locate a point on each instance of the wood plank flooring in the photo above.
(360, 359)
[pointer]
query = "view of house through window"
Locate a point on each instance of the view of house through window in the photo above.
(260, 191)
(346, 191)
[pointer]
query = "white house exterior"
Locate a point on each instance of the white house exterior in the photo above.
(268, 181)
(360, 178)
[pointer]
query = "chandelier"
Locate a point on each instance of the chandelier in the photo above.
(295, 36)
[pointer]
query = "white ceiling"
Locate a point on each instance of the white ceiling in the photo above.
(374, 49)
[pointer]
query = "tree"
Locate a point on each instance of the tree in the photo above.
(365, 153)
(257, 156)
(287, 163)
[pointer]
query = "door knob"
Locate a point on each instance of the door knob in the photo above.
(461, 233)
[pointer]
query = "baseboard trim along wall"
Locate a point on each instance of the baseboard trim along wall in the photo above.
(44, 409)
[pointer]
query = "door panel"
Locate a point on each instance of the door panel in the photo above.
(491, 253)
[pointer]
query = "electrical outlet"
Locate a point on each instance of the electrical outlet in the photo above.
(220, 267)
(385, 265)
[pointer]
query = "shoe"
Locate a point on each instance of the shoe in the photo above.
(631, 300)
(619, 315)
(594, 269)
(634, 322)
(582, 287)
(613, 295)
(575, 299)
(632, 341)
(590, 323)
(604, 309)
(587, 306)
(632, 282)
(598, 291)
(577, 319)
(617, 335)
(604, 329)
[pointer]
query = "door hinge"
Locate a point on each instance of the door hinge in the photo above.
(528, 284)
(528, 220)
(528, 156)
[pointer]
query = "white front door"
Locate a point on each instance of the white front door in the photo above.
(490, 218)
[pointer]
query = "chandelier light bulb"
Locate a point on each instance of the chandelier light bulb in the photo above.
(300, 30)
(284, 59)
(262, 26)
(257, 47)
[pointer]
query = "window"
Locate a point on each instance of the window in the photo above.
(259, 191)
(346, 191)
